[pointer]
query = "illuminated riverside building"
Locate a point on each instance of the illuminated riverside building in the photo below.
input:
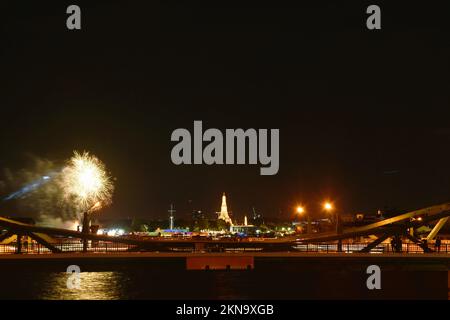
(245, 229)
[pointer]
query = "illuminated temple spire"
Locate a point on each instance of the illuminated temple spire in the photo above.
(223, 214)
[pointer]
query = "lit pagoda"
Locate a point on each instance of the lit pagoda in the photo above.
(223, 214)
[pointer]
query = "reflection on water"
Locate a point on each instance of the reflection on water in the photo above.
(170, 280)
(93, 286)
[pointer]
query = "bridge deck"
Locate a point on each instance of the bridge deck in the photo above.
(149, 255)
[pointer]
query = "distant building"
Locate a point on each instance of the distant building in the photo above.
(247, 230)
(361, 219)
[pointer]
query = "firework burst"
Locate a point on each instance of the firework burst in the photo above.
(85, 182)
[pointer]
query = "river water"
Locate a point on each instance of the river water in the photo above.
(269, 280)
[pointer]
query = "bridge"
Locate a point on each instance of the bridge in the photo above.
(399, 226)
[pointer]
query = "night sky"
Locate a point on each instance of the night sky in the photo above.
(363, 115)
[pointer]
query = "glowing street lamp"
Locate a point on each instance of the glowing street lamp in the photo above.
(328, 207)
(301, 210)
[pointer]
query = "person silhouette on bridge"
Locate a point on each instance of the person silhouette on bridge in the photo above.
(437, 244)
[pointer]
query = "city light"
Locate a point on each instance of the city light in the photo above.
(328, 206)
(300, 210)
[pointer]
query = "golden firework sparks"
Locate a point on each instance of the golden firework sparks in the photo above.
(86, 182)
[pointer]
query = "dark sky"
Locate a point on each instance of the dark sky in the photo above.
(363, 115)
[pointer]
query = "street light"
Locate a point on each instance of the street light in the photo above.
(301, 210)
(328, 206)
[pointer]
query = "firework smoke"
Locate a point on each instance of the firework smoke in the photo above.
(58, 222)
(22, 192)
(56, 194)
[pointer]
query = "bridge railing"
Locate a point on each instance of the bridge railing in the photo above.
(76, 246)
(357, 247)
(105, 247)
